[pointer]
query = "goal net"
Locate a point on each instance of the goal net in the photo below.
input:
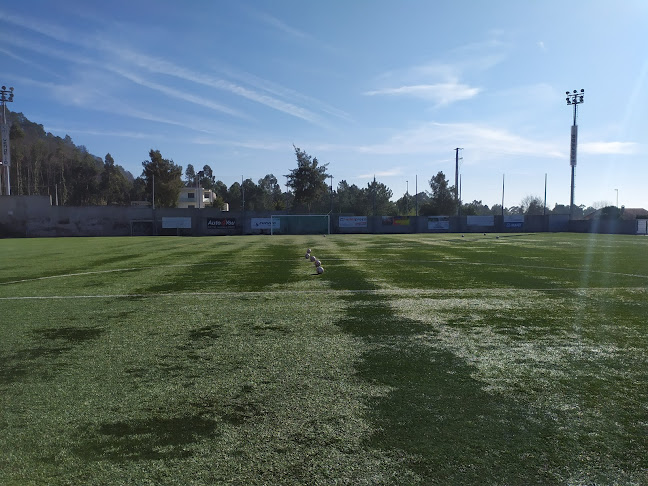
(300, 224)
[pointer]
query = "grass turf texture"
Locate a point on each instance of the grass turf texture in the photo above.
(414, 359)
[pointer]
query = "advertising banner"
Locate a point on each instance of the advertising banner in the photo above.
(353, 221)
(514, 221)
(395, 220)
(221, 223)
(265, 223)
(438, 222)
(176, 223)
(6, 148)
(574, 145)
(480, 220)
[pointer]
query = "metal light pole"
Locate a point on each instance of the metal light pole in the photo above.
(457, 179)
(407, 198)
(6, 96)
(617, 191)
(574, 99)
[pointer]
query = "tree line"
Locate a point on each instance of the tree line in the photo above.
(44, 164)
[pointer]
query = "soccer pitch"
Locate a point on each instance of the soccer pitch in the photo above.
(414, 359)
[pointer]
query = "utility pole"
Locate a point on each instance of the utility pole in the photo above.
(457, 177)
(6, 96)
(575, 99)
(416, 193)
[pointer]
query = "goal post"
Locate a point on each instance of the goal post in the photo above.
(300, 224)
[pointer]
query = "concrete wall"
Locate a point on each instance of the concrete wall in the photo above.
(34, 216)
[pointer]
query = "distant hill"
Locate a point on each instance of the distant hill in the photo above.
(45, 164)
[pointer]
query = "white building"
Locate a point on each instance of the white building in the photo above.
(195, 197)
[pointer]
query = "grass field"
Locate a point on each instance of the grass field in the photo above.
(414, 359)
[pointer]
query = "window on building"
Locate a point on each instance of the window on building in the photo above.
(190, 195)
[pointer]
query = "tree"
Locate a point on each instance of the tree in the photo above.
(220, 190)
(308, 180)
(406, 205)
(442, 199)
(496, 210)
(270, 193)
(379, 196)
(190, 176)
(253, 196)
(475, 208)
(560, 209)
(351, 199)
(234, 197)
(532, 205)
(168, 179)
(207, 180)
(612, 212)
(114, 186)
(139, 191)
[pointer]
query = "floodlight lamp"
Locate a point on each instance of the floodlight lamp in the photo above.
(582, 90)
(566, 92)
(575, 91)
(4, 88)
(11, 89)
(581, 99)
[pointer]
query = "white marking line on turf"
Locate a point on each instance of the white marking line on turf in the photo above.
(226, 262)
(405, 292)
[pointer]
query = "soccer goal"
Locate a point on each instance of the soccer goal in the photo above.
(300, 224)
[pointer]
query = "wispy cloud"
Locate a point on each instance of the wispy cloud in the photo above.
(485, 142)
(175, 93)
(279, 25)
(441, 93)
(609, 148)
(105, 133)
(289, 31)
(161, 66)
(151, 64)
(438, 83)
(49, 30)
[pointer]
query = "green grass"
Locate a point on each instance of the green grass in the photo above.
(414, 359)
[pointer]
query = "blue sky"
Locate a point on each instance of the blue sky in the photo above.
(384, 88)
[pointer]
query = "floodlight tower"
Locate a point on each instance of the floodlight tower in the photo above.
(6, 96)
(574, 99)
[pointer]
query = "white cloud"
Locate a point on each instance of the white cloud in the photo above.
(609, 148)
(482, 141)
(441, 94)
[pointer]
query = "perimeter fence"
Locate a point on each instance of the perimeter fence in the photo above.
(34, 216)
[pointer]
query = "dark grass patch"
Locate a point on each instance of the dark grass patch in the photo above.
(152, 438)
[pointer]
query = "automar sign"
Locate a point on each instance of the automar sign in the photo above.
(221, 223)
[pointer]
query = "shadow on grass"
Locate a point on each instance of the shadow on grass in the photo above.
(436, 419)
(41, 360)
(146, 439)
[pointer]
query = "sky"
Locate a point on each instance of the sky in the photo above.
(373, 88)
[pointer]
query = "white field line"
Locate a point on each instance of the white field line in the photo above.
(230, 262)
(492, 292)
